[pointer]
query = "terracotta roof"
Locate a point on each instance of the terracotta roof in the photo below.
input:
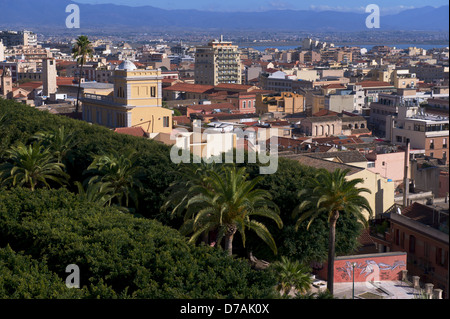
(330, 166)
(192, 88)
(366, 84)
(233, 86)
(65, 80)
(210, 107)
(324, 112)
(343, 156)
(134, 131)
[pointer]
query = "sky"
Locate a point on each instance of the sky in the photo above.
(386, 6)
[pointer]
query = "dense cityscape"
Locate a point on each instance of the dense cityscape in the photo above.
(223, 164)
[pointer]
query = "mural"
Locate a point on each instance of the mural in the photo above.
(369, 269)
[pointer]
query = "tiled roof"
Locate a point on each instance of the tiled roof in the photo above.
(234, 86)
(343, 156)
(366, 84)
(330, 166)
(134, 131)
(210, 107)
(192, 88)
(324, 112)
(323, 118)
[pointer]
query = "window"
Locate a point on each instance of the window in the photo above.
(397, 237)
(165, 121)
(153, 91)
(402, 240)
(444, 142)
(243, 104)
(432, 144)
(412, 244)
(441, 257)
(399, 139)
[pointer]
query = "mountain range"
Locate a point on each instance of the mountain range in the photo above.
(52, 14)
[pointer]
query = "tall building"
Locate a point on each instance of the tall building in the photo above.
(6, 83)
(2, 51)
(135, 102)
(49, 76)
(14, 38)
(218, 62)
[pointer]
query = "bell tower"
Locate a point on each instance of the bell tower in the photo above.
(6, 81)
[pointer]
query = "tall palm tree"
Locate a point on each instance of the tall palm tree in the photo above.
(60, 141)
(121, 174)
(332, 194)
(228, 204)
(31, 165)
(81, 50)
(292, 274)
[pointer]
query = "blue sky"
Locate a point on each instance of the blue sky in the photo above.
(386, 6)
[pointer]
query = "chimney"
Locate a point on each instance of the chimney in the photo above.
(405, 178)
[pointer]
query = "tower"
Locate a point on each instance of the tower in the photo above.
(2, 51)
(6, 81)
(49, 76)
(218, 62)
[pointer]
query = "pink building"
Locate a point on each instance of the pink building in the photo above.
(388, 165)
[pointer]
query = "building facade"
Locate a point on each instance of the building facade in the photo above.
(136, 101)
(218, 62)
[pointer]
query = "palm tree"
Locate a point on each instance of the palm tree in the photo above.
(121, 174)
(60, 141)
(81, 50)
(331, 193)
(227, 204)
(100, 193)
(31, 165)
(292, 274)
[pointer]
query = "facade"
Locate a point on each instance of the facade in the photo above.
(49, 77)
(422, 232)
(13, 38)
(2, 51)
(286, 102)
(6, 83)
(423, 131)
(218, 62)
(136, 101)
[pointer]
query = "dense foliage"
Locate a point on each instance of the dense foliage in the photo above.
(128, 256)
(139, 253)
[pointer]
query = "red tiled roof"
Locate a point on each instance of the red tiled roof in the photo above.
(188, 87)
(233, 86)
(324, 112)
(64, 80)
(210, 107)
(134, 131)
(365, 84)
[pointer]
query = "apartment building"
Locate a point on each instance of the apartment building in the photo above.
(13, 38)
(286, 102)
(218, 62)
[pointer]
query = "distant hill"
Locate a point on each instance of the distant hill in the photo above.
(50, 13)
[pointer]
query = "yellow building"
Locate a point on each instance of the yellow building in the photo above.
(135, 101)
(287, 102)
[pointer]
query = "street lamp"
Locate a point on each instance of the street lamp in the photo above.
(353, 286)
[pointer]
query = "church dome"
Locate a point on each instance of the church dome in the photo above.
(127, 65)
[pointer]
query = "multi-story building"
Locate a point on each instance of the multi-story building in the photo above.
(423, 131)
(2, 51)
(13, 38)
(422, 232)
(136, 101)
(218, 62)
(286, 102)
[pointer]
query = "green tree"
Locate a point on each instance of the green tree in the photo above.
(31, 165)
(121, 175)
(227, 205)
(60, 141)
(291, 274)
(330, 193)
(81, 50)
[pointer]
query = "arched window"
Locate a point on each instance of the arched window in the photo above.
(243, 104)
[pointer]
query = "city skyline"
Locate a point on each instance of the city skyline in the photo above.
(386, 6)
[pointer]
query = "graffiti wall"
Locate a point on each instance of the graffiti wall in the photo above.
(374, 267)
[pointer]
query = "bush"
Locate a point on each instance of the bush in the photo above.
(121, 255)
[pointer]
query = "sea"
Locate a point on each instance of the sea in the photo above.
(367, 46)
